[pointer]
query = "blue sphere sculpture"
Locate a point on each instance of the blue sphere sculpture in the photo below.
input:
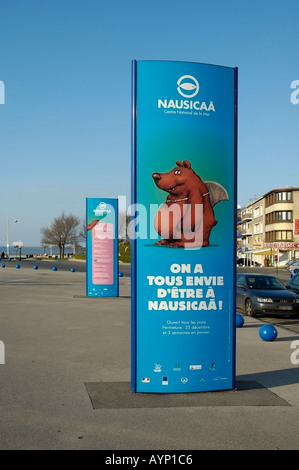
(35, 266)
(18, 266)
(268, 332)
(120, 274)
(54, 268)
(73, 270)
(239, 320)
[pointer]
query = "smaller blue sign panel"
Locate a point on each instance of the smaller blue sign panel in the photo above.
(102, 247)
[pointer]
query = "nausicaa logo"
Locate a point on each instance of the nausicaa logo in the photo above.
(102, 209)
(188, 86)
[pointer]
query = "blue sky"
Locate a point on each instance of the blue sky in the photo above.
(66, 66)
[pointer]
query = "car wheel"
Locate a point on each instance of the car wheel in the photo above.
(249, 310)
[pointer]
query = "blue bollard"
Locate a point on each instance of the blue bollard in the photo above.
(268, 332)
(239, 320)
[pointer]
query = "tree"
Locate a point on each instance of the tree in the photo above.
(82, 231)
(63, 230)
(123, 221)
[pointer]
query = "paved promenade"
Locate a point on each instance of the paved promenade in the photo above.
(65, 381)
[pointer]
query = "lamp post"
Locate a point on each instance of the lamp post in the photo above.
(7, 236)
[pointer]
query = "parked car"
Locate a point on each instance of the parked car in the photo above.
(246, 262)
(293, 267)
(291, 261)
(262, 293)
(293, 284)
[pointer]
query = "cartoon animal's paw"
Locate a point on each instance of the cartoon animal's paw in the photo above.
(162, 243)
(178, 244)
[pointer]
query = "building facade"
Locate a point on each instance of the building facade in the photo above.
(268, 228)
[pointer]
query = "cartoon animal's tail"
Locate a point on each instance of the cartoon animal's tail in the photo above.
(217, 192)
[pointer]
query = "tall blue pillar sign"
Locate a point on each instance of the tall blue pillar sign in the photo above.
(183, 226)
(102, 247)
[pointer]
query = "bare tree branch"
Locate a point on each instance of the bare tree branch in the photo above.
(63, 230)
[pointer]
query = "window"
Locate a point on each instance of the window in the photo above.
(279, 216)
(280, 196)
(257, 212)
(257, 228)
(283, 216)
(284, 196)
(241, 281)
(278, 236)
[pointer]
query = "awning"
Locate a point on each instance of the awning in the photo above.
(264, 252)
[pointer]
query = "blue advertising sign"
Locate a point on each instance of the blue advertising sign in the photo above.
(102, 247)
(183, 227)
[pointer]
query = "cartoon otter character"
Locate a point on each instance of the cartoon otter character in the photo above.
(186, 193)
(92, 224)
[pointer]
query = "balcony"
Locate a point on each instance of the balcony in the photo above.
(246, 216)
(246, 233)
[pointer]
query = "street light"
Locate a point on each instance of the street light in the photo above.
(7, 236)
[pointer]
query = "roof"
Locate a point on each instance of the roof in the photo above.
(284, 188)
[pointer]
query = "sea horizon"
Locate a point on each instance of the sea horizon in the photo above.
(33, 250)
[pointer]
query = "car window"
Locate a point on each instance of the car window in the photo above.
(252, 282)
(264, 282)
(295, 281)
(276, 284)
(256, 282)
(241, 280)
